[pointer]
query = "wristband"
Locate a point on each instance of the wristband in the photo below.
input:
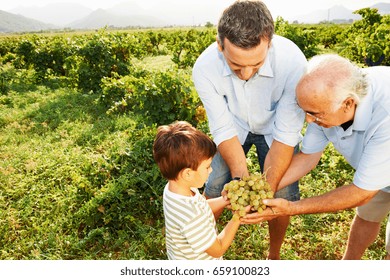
(236, 178)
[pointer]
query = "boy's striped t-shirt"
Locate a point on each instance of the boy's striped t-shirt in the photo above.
(190, 226)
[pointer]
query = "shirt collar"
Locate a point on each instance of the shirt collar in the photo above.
(363, 112)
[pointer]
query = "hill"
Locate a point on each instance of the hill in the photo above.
(383, 8)
(59, 14)
(101, 18)
(337, 14)
(16, 23)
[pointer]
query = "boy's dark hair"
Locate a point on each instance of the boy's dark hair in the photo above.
(245, 24)
(180, 145)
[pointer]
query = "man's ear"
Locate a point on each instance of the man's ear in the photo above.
(349, 103)
(219, 44)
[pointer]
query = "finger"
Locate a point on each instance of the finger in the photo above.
(272, 201)
(224, 195)
(268, 202)
(258, 220)
(253, 215)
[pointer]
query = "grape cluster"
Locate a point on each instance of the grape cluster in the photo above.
(250, 190)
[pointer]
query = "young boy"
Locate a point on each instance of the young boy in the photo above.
(184, 156)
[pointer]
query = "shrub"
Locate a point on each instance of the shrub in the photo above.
(160, 97)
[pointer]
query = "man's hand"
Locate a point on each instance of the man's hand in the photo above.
(275, 208)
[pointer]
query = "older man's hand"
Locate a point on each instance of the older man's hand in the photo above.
(275, 208)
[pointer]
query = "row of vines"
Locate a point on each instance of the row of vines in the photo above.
(102, 61)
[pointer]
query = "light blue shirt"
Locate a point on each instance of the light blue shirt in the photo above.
(366, 143)
(264, 105)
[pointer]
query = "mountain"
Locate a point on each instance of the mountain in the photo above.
(134, 13)
(128, 8)
(55, 13)
(337, 13)
(383, 8)
(101, 18)
(156, 13)
(180, 14)
(16, 23)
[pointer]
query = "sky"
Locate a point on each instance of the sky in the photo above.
(284, 8)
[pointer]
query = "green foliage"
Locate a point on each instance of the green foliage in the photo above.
(130, 198)
(8, 45)
(97, 57)
(188, 45)
(156, 41)
(305, 39)
(329, 35)
(4, 80)
(83, 59)
(160, 97)
(78, 180)
(367, 40)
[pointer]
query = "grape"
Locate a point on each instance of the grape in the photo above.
(250, 190)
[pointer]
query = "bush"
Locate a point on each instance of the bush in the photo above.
(160, 97)
(367, 40)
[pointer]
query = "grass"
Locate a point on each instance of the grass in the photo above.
(77, 183)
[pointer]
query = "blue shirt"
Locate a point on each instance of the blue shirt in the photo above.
(366, 143)
(265, 104)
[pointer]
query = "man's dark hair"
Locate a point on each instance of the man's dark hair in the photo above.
(245, 24)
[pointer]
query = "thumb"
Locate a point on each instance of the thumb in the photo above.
(269, 202)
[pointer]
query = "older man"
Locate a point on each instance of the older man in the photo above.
(349, 107)
(246, 81)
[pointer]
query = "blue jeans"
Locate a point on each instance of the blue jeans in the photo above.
(221, 173)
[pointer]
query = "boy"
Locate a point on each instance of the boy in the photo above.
(184, 156)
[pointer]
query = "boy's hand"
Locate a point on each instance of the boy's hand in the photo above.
(224, 195)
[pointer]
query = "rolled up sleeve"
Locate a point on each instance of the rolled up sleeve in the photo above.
(220, 119)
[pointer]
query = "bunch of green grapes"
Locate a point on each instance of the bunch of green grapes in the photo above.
(249, 190)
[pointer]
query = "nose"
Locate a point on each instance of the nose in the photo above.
(246, 72)
(310, 118)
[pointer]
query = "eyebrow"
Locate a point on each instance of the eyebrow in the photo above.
(311, 113)
(239, 65)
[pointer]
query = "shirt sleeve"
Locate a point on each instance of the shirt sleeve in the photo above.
(372, 172)
(289, 117)
(314, 140)
(220, 119)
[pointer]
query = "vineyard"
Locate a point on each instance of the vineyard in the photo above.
(78, 115)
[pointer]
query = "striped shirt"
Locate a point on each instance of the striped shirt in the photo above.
(190, 227)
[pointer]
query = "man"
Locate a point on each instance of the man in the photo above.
(349, 107)
(246, 81)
